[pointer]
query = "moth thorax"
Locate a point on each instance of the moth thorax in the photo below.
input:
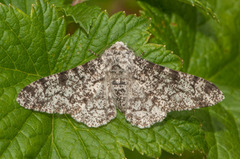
(117, 69)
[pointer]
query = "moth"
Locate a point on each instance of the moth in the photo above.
(143, 91)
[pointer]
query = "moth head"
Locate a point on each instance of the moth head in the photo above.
(118, 54)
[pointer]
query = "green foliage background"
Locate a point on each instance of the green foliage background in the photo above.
(34, 42)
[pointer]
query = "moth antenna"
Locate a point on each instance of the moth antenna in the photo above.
(93, 53)
(142, 53)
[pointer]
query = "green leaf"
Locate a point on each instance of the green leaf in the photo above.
(61, 3)
(172, 29)
(36, 46)
(83, 14)
(24, 5)
(205, 6)
(104, 32)
(151, 53)
(212, 52)
(226, 73)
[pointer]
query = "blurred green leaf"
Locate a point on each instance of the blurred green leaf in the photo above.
(204, 5)
(176, 28)
(61, 3)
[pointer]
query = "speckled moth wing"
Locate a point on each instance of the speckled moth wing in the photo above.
(157, 90)
(81, 92)
(143, 91)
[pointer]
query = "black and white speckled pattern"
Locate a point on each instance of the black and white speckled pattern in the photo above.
(82, 92)
(143, 91)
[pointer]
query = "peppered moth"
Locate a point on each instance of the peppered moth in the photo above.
(143, 91)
